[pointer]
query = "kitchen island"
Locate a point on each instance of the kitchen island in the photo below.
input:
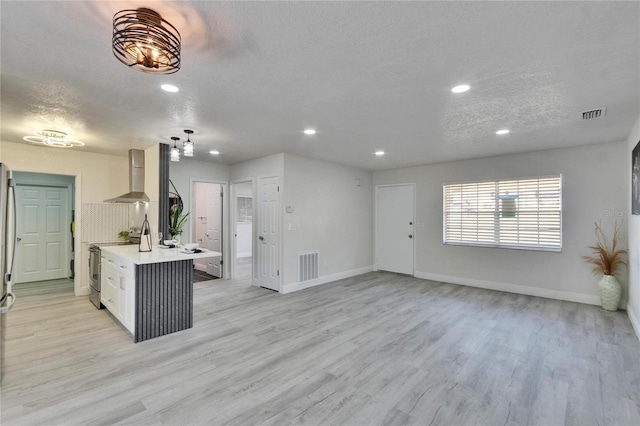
(150, 293)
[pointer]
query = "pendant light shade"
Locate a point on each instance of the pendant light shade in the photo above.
(175, 151)
(187, 147)
(145, 42)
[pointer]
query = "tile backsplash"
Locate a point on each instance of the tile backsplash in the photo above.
(102, 222)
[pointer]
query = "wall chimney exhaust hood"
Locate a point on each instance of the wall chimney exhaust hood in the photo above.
(136, 180)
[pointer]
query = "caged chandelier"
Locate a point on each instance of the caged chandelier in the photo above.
(145, 42)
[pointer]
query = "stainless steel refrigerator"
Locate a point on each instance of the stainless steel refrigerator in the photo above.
(7, 251)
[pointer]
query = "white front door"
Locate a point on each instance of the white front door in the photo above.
(268, 264)
(213, 240)
(395, 228)
(43, 233)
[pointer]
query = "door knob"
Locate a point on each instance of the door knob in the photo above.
(410, 236)
(19, 239)
(261, 238)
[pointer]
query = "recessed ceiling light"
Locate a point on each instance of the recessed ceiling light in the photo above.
(309, 132)
(169, 88)
(460, 89)
(214, 152)
(502, 132)
(379, 153)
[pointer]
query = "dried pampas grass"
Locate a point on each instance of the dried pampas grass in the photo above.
(606, 258)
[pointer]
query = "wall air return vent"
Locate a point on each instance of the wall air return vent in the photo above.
(594, 113)
(308, 266)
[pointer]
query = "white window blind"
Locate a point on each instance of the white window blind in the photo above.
(518, 213)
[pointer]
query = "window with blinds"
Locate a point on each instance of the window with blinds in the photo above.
(517, 213)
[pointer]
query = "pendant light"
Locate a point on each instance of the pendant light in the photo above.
(175, 151)
(188, 146)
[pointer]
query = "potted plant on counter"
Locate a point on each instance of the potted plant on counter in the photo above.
(124, 235)
(606, 259)
(177, 221)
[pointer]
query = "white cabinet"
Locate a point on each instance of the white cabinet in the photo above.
(118, 289)
(109, 291)
(126, 300)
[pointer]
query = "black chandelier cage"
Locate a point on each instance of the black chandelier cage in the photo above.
(144, 41)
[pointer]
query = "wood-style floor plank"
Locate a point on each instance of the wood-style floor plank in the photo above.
(376, 349)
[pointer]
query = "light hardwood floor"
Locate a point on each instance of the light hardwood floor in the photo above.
(374, 349)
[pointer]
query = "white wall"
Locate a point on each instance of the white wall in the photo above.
(594, 188)
(272, 165)
(633, 305)
(331, 214)
(97, 177)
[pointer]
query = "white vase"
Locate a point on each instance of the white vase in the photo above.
(610, 291)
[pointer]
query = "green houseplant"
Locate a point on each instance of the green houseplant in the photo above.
(606, 259)
(124, 235)
(177, 221)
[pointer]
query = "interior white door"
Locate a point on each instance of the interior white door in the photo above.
(394, 228)
(214, 228)
(43, 233)
(268, 233)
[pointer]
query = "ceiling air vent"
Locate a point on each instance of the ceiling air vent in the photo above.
(594, 113)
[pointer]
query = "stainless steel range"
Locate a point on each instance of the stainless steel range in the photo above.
(94, 271)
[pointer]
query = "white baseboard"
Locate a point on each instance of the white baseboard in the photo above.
(513, 288)
(288, 288)
(635, 322)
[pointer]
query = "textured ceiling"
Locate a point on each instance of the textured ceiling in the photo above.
(367, 75)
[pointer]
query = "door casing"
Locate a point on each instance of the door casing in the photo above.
(271, 280)
(64, 222)
(233, 217)
(225, 233)
(400, 266)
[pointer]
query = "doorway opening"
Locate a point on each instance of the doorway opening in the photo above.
(45, 229)
(243, 229)
(268, 233)
(207, 218)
